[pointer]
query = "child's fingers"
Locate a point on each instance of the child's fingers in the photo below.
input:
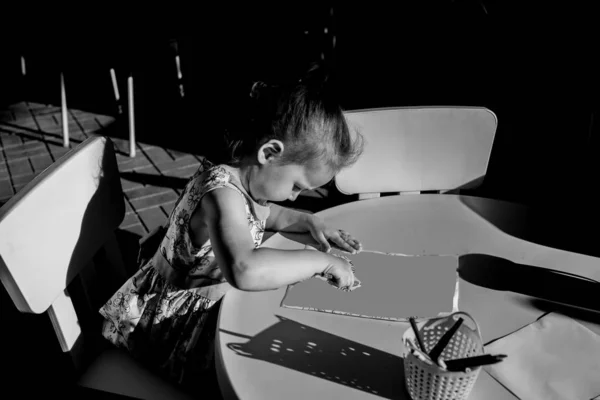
(346, 282)
(356, 244)
(325, 246)
(355, 285)
(350, 283)
(342, 244)
(350, 240)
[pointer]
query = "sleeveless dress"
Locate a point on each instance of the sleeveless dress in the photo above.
(165, 315)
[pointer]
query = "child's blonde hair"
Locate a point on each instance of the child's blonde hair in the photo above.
(305, 116)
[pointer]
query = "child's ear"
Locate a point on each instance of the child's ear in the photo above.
(270, 151)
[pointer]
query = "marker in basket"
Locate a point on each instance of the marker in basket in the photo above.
(444, 340)
(413, 324)
(461, 364)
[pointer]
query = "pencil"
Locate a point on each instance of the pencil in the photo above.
(413, 324)
(444, 340)
(462, 364)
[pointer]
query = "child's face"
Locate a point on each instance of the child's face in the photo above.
(274, 182)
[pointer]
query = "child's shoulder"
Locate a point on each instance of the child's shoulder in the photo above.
(210, 176)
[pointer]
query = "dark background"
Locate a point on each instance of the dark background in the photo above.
(533, 65)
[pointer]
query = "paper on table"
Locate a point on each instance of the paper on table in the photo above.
(553, 358)
(392, 288)
(403, 254)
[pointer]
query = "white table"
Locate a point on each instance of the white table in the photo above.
(417, 224)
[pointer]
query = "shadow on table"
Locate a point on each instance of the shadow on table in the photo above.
(547, 285)
(312, 351)
(580, 314)
(537, 225)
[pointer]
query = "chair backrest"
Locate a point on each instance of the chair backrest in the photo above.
(414, 149)
(56, 226)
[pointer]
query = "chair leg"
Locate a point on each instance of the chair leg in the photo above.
(64, 111)
(130, 106)
(65, 322)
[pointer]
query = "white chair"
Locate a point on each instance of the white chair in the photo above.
(416, 149)
(58, 254)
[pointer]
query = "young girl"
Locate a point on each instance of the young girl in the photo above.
(296, 139)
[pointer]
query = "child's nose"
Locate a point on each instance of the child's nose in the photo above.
(293, 196)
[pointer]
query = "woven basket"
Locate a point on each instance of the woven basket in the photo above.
(430, 382)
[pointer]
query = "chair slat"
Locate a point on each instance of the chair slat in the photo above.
(53, 227)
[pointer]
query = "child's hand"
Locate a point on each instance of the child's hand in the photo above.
(340, 273)
(327, 237)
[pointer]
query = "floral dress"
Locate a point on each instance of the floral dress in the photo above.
(165, 315)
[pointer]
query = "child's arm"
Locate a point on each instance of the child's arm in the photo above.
(248, 268)
(293, 222)
(283, 219)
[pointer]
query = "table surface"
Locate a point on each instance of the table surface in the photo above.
(265, 351)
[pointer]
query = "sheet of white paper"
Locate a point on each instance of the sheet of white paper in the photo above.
(554, 358)
(393, 288)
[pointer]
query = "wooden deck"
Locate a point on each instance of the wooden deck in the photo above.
(31, 140)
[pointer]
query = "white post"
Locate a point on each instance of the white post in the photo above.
(179, 75)
(64, 111)
(23, 69)
(131, 117)
(332, 33)
(113, 78)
